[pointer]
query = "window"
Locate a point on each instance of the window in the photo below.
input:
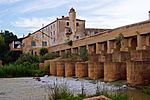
(54, 25)
(33, 43)
(54, 32)
(54, 40)
(77, 24)
(67, 23)
(44, 43)
(51, 33)
(42, 35)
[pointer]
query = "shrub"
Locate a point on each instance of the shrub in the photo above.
(48, 56)
(27, 58)
(43, 51)
(70, 56)
(83, 54)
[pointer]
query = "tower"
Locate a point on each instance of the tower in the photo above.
(72, 20)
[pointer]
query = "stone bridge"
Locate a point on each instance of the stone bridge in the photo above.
(127, 59)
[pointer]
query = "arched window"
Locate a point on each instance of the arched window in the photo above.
(67, 23)
(33, 43)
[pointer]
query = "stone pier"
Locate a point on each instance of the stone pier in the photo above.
(95, 70)
(114, 71)
(53, 67)
(60, 69)
(138, 73)
(69, 69)
(81, 69)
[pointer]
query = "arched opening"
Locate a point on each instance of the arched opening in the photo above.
(105, 46)
(133, 43)
(118, 46)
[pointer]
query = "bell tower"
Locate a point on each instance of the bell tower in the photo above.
(72, 20)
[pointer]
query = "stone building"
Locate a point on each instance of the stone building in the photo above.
(60, 31)
(122, 53)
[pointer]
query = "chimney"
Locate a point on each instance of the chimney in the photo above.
(62, 16)
(149, 15)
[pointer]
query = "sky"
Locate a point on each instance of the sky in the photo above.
(26, 16)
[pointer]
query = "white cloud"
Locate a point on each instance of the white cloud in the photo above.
(116, 14)
(8, 1)
(33, 24)
(44, 4)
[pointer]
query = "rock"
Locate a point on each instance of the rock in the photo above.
(97, 98)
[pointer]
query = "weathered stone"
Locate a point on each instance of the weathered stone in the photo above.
(53, 67)
(120, 56)
(95, 70)
(69, 69)
(81, 69)
(114, 71)
(93, 57)
(97, 98)
(140, 55)
(41, 65)
(138, 73)
(60, 68)
(105, 57)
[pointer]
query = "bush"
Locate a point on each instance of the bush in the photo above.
(48, 56)
(70, 56)
(27, 58)
(83, 54)
(25, 69)
(43, 51)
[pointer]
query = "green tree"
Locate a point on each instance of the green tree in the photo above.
(83, 54)
(43, 51)
(6, 38)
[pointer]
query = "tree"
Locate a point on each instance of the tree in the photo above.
(43, 51)
(6, 38)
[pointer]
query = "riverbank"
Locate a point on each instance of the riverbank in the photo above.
(29, 89)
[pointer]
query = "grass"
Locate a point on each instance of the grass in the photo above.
(63, 93)
(146, 90)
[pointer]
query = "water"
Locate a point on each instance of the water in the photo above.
(29, 89)
(90, 87)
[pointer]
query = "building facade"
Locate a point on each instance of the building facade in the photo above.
(55, 36)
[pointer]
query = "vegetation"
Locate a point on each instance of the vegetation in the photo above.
(6, 55)
(119, 38)
(70, 56)
(146, 90)
(43, 51)
(27, 65)
(83, 54)
(61, 92)
(48, 56)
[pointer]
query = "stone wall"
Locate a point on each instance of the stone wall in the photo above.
(69, 69)
(60, 68)
(53, 67)
(95, 70)
(114, 71)
(140, 55)
(81, 69)
(138, 73)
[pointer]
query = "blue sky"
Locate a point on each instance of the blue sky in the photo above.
(24, 16)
